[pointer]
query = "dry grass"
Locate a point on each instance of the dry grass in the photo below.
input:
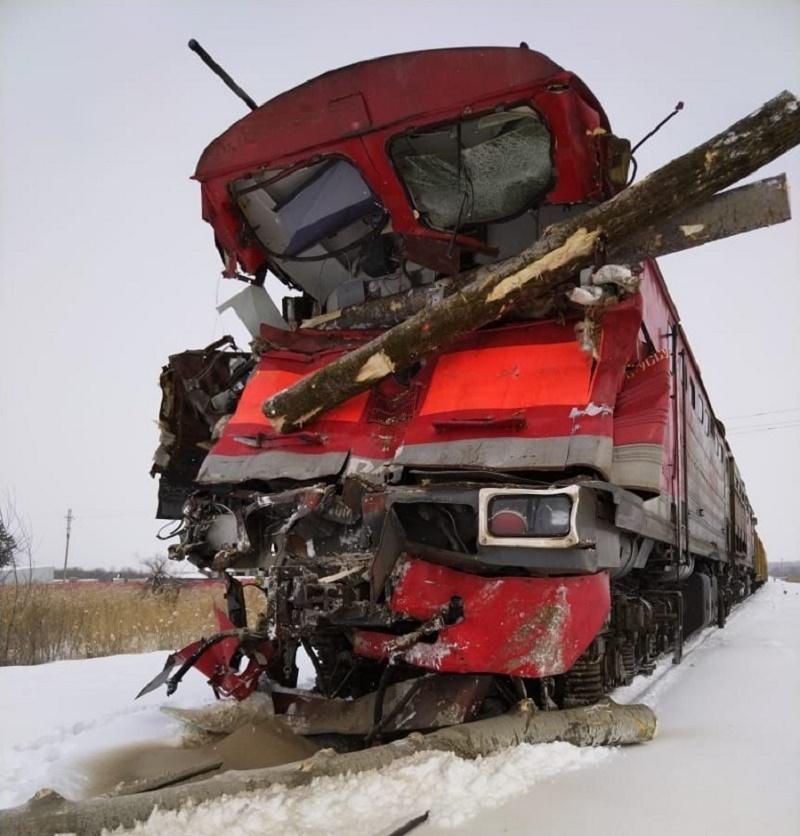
(45, 622)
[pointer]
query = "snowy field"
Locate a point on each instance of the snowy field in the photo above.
(726, 760)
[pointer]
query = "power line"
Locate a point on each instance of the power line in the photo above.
(760, 414)
(762, 427)
(752, 430)
(760, 424)
(115, 514)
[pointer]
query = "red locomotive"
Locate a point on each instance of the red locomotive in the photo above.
(528, 511)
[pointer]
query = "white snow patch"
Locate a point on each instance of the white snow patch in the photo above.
(452, 789)
(585, 295)
(727, 712)
(618, 274)
(429, 656)
(55, 716)
(727, 753)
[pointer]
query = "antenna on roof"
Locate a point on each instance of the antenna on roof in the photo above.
(676, 110)
(215, 68)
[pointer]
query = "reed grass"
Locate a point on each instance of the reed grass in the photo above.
(46, 622)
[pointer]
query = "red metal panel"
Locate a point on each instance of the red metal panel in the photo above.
(510, 377)
(659, 318)
(529, 381)
(294, 355)
(215, 663)
(642, 411)
(392, 88)
(574, 404)
(267, 382)
(353, 112)
(519, 626)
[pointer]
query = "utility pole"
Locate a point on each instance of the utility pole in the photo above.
(69, 519)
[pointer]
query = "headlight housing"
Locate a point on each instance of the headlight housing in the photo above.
(528, 517)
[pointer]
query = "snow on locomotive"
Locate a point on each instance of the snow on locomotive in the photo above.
(516, 515)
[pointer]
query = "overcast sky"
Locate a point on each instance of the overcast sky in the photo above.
(106, 267)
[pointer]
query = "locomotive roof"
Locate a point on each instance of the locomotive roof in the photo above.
(373, 94)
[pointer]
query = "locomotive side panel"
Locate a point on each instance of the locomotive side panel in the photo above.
(705, 470)
(694, 478)
(741, 525)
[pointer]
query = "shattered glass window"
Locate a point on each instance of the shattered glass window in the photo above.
(477, 170)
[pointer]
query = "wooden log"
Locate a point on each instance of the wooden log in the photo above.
(729, 213)
(562, 251)
(376, 314)
(724, 215)
(604, 724)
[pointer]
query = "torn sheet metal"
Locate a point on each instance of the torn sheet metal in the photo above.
(427, 702)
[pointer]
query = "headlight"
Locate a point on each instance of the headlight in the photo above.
(530, 516)
(533, 517)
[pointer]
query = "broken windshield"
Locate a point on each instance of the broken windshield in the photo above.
(478, 170)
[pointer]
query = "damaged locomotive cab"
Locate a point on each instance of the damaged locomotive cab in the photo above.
(460, 467)
(249, 529)
(473, 469)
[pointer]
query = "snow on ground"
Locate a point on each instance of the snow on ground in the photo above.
(378, 802)
(52, 714)
(727, 758)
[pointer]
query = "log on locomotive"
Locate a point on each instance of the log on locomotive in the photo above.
(541, 509)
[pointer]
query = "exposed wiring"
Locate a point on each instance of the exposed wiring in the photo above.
(658, 127)
(634, 169)
(174, 533)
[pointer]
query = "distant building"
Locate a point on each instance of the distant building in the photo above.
(27, 574)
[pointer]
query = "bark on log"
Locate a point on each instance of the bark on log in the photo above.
(562, 251)
(604, 724)
(732, 212)
(375, 314)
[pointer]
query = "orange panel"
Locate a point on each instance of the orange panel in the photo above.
(265, 383)
(510, 377)
(351, 410)
(262, 385)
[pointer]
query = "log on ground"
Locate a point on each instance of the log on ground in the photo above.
(603, 724)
